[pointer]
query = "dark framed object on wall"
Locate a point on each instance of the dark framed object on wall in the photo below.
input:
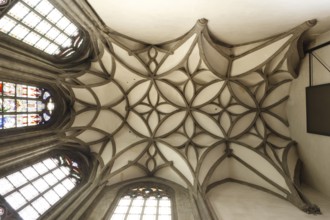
(318, 109)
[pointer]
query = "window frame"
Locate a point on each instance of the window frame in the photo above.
(58, 114)
(19, 46)
(77, 157)
(122, 192)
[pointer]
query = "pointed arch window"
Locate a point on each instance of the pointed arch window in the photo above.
(144, 202)
(32, 191)
(24, 105)
(41, 25)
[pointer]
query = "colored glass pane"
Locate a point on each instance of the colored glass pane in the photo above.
(2, 2)
(8, 89)
(9, 121)
(17, 100)
(22, 90)
(22, 120)
(22, 105)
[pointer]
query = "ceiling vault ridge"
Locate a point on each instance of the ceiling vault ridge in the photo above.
(191, 110)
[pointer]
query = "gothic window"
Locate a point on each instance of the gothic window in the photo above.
(35, 189)
(144, 202)
(24, 105)
(41, 25)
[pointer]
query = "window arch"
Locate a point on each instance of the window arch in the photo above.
(42, 26)
(31, 191)
(24, 105)
(147, 201)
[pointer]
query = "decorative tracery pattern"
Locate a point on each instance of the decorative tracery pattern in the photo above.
(22, 105)
(39, 24)
(192, 111)
(36, 188)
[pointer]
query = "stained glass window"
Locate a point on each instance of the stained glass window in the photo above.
(144, 203)
(3, 2)
(24, 105)
(36, 188)
(41, 25)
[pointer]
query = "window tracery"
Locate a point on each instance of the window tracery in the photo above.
(41, 25)
(35, 189)
(24, 105)
(144, 202)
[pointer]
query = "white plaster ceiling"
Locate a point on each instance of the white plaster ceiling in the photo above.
(191, 110)
(231, 21)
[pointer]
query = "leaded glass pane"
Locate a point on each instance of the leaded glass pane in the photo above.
(133, 217)
(16, 100)
(29, 192)
(18, 11)
(29, 213)
(49, 163)
(22, 105)
(40, 168)
(8, 89)
(40, 185)
(6, 186)
(21, 120)
(42, 43)
(68, 184)
(30, 173)
(59, 174)
(121, 209)
(51, 197)
(32, 38)
(33, 190)
(149, 217)
(43, 27)
(6, 24)
(9, 121)
(135, 210)
(164, 217)
(17, 179)
(32, 19)
(164, 210)
(150, 210)
(118, 217)
(41, 205)
(71, 30)
(9, 105)
(44, 7)
(60, 190)
(50, 179)
(31, 3)
(53, 33)
(139, 201)
(146, 203)
(15, 200)
(19, 32)
(63, 23)
(54, 16)
(125, 201)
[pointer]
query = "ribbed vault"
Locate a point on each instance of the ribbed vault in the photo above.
(193, 110)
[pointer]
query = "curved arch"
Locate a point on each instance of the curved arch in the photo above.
(27, 107)
(32, 190)
(44, 28)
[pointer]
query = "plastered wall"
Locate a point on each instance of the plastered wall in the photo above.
(314, 150)
(232, 201)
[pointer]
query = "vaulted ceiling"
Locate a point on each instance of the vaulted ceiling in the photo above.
(232, 22)
(193, 103)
